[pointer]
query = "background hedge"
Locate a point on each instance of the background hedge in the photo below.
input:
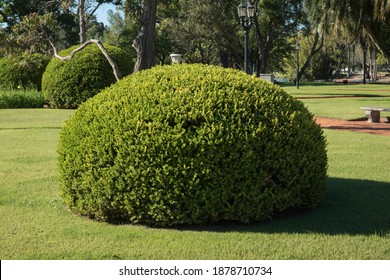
(67, 84)
(23, 71)
(12, 99)
(189, 144)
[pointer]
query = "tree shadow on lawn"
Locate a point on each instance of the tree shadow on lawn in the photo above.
(355, 207)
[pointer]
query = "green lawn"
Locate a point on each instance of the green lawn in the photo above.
(337, 90)
(320, 99)
(352, 223)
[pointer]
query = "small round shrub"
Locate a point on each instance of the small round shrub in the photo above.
(22, 71)
(189, 144)
(67, 84)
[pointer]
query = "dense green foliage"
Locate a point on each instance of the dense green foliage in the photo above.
(22, 70)
(190, 144)
(12, 99)
(67, 84)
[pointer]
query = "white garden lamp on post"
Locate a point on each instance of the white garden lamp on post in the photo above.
(176, 58)
(246, 12)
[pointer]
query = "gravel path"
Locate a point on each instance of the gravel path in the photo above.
(382, 128)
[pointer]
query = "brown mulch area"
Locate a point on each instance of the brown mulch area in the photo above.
(382, 128)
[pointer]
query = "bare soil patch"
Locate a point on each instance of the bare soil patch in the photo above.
(381, 128)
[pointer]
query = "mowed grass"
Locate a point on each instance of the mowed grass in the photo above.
(353, 222)
(342, 101)
(339, 90)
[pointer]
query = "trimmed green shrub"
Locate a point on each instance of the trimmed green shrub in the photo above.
(67, 84)
(22, 71)
(12, 99)
(189, 144)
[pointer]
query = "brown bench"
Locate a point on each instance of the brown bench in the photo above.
(373, 114)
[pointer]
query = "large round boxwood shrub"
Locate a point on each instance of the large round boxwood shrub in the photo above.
(67, 84)
(23, 70)
(189, 144)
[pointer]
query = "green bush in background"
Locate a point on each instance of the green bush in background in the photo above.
(67, 84)
(29, 98)
(23, 71)
(189, 144)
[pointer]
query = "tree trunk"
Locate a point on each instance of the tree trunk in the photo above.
(364, 47)
(82, 22)
(375, 67)
(314, 50)
(374, 37)
(224, 57)
(349, 61)
(144, 44)
(263, 50)
(372, 73)
(353, 58)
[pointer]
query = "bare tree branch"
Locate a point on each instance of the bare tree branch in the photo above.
(94, 10)
(112, 62)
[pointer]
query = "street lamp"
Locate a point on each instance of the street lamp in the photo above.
(246, 12)
(297, 47)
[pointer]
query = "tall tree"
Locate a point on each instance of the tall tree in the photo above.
(205, 31)
(12, 11)
(369, 16)
(27, 22)
(210, 32)
(85, 11)
(316, 46)
(82, 21)
(310, 35)
(275, 23)
(144, 43)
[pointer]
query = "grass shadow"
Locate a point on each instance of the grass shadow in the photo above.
(311, 84)
(30, 128)
(354, 207)
(340, 95)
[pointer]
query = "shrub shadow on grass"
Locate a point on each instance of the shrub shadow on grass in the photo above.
(355, 207)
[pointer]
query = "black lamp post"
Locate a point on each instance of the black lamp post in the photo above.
(297, 47)
(246, 12)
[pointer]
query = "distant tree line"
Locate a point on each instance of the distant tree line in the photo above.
(332, 35)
